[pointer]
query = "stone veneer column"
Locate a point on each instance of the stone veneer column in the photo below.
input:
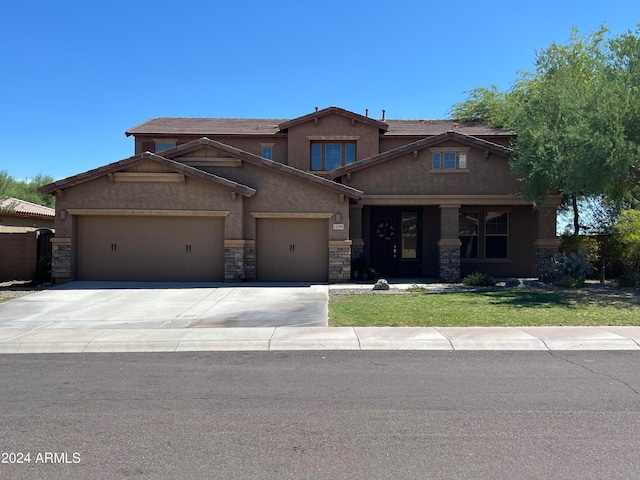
(449, 243)
(61, 259)
(449, 259)
(239, 260)
(546, 248)
(339, 261)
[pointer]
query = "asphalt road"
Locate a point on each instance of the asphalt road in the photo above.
(328, 415)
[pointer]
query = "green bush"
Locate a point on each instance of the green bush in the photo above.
(478, 279)
(628, 233)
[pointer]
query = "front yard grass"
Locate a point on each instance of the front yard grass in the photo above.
(487, 307)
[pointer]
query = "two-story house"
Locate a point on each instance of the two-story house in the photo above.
(298, 199)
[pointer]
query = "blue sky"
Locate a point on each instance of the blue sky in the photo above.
(77, 74)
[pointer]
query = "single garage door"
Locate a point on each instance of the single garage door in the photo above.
(155, 248)
(292, 249)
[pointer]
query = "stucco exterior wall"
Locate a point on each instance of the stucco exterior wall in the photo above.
(407, 175)
(251, 144)
(284, 194)
(331, 127)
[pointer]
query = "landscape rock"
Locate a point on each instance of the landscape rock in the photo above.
(381, 284)
(513, 282)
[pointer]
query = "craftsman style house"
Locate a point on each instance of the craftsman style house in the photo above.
(300, 200)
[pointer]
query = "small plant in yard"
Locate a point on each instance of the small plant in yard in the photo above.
(415, 288)
(569, 270)
(478, 279)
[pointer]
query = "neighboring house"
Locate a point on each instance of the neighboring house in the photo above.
(297, 200)
(25, 235)
(19, 216)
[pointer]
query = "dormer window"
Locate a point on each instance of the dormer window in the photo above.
(329, 155)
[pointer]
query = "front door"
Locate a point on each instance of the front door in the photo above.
(396, 241)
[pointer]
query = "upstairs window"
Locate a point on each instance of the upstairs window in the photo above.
(331, 155)
(160, 146)
(267, 150)
(449, 160)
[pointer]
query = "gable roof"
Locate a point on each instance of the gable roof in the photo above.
(171, 164)
(21, 208)
(261, 162)
(420, 145)
(210, 127)
(334, 111)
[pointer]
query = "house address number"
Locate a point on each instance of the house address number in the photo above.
(338, 226)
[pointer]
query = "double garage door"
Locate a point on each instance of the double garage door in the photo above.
(150, 248)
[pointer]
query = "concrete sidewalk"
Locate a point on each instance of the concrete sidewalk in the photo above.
(15, 340)
(139, 317)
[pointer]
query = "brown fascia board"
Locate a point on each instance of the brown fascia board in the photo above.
(264, 163)
(171, 164)
(334, 110)
(419, 145)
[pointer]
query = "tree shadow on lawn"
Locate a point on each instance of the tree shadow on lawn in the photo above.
(562, 297)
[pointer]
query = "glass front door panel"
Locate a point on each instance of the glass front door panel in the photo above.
(409, 235)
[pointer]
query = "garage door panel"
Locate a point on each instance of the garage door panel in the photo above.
(292, 250)
(150, 248)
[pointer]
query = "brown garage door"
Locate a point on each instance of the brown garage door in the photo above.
(292, 250)
(158, 248)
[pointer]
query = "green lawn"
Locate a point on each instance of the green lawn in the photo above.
(491, 307)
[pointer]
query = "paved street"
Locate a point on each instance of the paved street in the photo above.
(324, 415)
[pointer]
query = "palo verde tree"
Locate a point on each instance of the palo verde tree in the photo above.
(576, 119)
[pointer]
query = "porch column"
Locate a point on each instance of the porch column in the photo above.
(547, 244)
(449, 243)
(339, 261)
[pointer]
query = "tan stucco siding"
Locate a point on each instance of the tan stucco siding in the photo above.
(248, 144)
(330, 126)
(407, 175)
(282, 193)
(194, 194)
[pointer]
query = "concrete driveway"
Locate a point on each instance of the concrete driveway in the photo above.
(152, 305)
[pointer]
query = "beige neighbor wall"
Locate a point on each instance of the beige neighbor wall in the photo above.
(330, 127)
(408, 176)
(17, 224)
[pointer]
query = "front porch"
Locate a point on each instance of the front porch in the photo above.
(448, 241)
